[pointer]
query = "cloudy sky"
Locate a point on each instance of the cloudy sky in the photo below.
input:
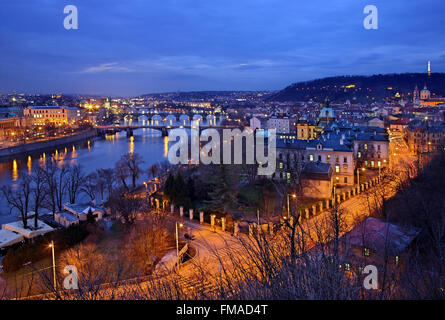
(131, 47)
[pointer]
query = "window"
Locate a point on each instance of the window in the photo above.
(319, 158)
(345, 168)
(347, 267)
(366, 146)
(345, 160)
(281, 165)
(328, 158)
(378, 147)
(372, 164)
(346, 180)
(366, 252)
(397, 260)
(311, 157)
(337, 169)
(336, 159)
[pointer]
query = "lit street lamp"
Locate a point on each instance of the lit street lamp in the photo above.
(51, 245)
(177, 237)
(288, 207)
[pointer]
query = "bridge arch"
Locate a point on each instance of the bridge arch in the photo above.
(156, 120)
(184, 119)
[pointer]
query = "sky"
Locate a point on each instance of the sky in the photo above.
(133, 47)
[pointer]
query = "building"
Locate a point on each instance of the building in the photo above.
(424, 98)
(74, 213)
(316, 180)
(30, 232)
(425, 136)
(282, 125)
(306, 129)
(371, 149)
(375, 241)
(43, 115)
(337, 152)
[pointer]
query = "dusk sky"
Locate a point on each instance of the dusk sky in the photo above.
(132, 47)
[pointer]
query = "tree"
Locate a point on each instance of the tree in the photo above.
(126, 206)
(122, 173)
(90, 185)
(130, 163)
(224, 195)
(153, 170)
(39, 191)
(74, 182)
(106, 181)
(54, 178)
(20, 198)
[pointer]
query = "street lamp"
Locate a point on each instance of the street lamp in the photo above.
(51, 245)
(288, 207)
(177, 237)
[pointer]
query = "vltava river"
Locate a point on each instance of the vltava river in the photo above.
(91, 155)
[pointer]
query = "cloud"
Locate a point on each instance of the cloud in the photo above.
(107, 67)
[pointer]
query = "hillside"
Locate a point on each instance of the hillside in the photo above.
(363, 89)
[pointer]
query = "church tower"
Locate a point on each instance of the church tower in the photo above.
(416, 94)
(425, 94)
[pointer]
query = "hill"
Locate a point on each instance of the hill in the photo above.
(362, 89)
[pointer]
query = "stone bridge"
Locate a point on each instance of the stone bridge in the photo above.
(164, 128)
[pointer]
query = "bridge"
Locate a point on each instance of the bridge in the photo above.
(175, 117)
(164, 128)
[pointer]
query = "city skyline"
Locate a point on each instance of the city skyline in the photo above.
(199, 46)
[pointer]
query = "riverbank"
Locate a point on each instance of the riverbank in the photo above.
(9, 153)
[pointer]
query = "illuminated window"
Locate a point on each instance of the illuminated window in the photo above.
(328, 158)
(366, 146)
(281, 165)
(311, 157)
(366, 252)
(347, 266)
(337, 169)
(397, 260)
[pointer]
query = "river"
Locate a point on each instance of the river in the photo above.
(91, 155)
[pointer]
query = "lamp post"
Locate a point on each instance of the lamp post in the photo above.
(358, 176)
(51, 245)
(177, 237)
(288, 206)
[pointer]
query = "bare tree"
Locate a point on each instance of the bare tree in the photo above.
(90, 185)
(105, 181)
(54, 178)
(39, 192)
(74, 182)
(20, 198)
(153, 170)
